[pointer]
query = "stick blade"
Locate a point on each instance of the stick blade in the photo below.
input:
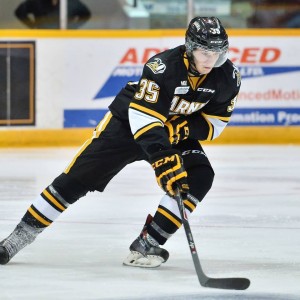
(228, 283)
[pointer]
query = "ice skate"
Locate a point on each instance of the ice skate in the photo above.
(145, 251)
(22, 236)
(4, 256)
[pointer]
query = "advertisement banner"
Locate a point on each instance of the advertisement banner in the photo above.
(270, 69)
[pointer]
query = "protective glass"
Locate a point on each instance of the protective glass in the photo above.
(192, 46)
(219, 55)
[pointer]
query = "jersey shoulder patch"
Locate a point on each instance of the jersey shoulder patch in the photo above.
(156, 66)
(232, 74)
(236, 75)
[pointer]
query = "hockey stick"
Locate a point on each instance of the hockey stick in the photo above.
(205, 281)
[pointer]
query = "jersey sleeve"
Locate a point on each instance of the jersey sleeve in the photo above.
(149, 108)
(218, 118)
(214, 117)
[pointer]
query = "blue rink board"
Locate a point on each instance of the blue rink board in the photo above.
(76, 118)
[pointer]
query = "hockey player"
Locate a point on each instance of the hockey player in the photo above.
(185, 95)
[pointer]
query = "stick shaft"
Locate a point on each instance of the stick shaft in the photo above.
(201, 275)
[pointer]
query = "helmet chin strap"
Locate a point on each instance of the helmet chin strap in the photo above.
(192, 67)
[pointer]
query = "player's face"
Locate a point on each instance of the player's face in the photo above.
(204, 60)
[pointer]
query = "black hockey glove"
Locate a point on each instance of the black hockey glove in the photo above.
(169, 171)
(177, 129)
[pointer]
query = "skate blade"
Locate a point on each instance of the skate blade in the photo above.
(136, 259)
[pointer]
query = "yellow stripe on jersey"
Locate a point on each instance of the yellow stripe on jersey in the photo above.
(210, 130)
(148, 111)
(189, 204)
(83, 147)
(99, 129)
(186, 61)
(39, 218)
(210, 133)
(225, 119)
(168, 216)
(103, 123)
(194, 81)
(53, 200)
(146, 128)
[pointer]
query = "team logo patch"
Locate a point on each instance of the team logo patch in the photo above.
(181, 90)
(156, 66)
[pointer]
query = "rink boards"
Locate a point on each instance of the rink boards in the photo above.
(58, 84)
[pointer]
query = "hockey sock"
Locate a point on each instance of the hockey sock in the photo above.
(46, 208)
(167, 218)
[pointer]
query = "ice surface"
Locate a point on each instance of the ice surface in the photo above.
(248, 226)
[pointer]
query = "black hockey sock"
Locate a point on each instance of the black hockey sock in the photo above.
(167, 219)
(54, 200)
(47, 207)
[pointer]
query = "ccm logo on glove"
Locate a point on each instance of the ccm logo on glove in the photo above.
(169, 171)
(163, 161)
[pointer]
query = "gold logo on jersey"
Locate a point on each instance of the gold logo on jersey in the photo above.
(157, 66)
(230, 108)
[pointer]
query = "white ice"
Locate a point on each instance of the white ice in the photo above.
(247, 226)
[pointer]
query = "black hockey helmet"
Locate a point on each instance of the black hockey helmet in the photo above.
(207, 33)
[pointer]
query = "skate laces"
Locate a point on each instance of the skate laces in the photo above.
(147, 241)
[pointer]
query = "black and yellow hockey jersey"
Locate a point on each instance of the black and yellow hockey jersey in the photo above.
(166, 88)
